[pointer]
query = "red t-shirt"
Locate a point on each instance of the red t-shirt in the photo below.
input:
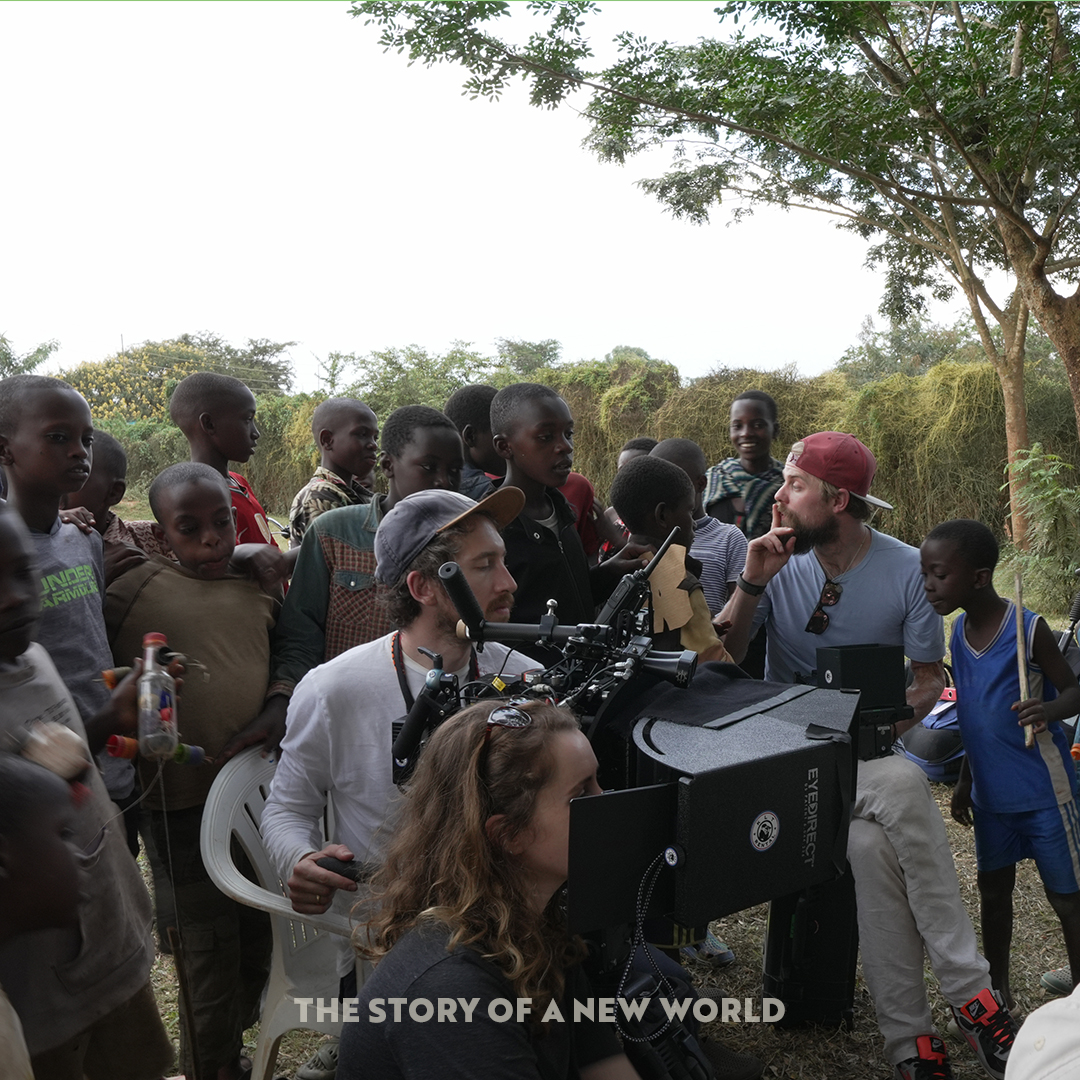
(251, 526)
(581, 496)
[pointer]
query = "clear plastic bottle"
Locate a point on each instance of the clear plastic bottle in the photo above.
(157, 704)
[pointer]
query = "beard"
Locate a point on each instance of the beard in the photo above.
(447, 618)
(446, 622)
(810, 536)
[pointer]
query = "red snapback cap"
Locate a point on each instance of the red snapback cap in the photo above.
(840, 460)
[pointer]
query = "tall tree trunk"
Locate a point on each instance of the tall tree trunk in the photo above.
(1009, 365)
(1011, 374)
(1059, 316)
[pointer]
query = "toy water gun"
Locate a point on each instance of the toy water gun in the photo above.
(122, 747)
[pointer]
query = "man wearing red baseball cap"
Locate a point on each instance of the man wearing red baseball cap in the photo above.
(823, 577)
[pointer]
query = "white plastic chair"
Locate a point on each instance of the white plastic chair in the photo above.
(304, 962)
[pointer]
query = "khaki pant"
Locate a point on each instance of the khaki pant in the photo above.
(226, 945)
(909, 903)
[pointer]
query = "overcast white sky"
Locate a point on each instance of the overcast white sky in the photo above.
(265, 170)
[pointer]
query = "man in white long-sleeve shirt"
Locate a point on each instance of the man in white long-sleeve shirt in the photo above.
(338, 732)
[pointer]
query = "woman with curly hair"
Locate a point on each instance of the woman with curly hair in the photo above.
(468, 909)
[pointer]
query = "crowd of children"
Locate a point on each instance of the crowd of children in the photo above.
(80, 588)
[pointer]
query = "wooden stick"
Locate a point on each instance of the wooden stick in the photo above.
(187, 1020)
(1021, 656)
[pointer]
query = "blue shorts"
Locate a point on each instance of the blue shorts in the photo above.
(1050, 836)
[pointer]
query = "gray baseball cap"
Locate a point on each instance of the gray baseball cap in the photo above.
(415, 521)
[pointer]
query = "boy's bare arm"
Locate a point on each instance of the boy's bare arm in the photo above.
(79, 516)
(735, 622)
(265, 563)
(120, 558)
(610, 572)
(1036, 713)
(960, 806)
(606, 528)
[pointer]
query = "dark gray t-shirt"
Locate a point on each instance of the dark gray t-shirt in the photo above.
(72, 628)
(481, 1049)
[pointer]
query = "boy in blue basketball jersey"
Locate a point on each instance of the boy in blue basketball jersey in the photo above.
(1021, 799)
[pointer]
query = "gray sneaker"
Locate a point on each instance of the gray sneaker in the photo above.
(323, 1064)
(990, 1030)
(1058, 981)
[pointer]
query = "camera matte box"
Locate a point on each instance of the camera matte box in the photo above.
(748, 806)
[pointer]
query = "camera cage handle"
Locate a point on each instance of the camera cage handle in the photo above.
(463, 598)
(473, 626)
(630, 591)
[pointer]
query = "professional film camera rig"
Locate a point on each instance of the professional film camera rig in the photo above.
(598, 660)
(725, 792)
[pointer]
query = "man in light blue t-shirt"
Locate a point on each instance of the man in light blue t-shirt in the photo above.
(822, 577)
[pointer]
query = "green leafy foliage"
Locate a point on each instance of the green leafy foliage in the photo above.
(12, 363)
(150, 445)
(1051, 494)
(260, 364)
(438, 31)
(915, 345)
(137, 383)
(391, 377)
(283, 462)
(611, 400)
(701, 411)
(333, 371)
(525, 358)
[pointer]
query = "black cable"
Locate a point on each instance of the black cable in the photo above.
(641, 907)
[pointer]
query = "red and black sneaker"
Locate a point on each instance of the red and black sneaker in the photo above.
(988, 1025)
(932, 1062)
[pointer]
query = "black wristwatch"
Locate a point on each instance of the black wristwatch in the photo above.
(753, 590)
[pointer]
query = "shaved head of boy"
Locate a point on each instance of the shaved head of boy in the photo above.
(534, 432)
(682, 452)
(346, 434)
(217, 414)
(639, 446)
(654, 496)
(470, 409)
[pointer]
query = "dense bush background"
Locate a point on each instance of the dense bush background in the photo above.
(933, 417)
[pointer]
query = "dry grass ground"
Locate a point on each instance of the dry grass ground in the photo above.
(816, 1054)
(811, 1053)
